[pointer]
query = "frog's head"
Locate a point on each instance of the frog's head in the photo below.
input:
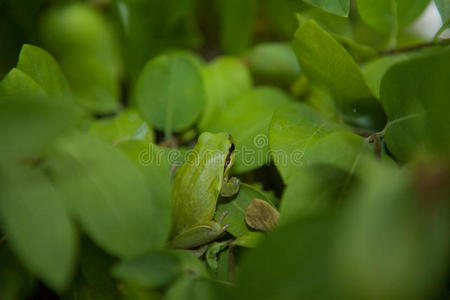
(221, 142)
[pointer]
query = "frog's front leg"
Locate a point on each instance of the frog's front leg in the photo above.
(198, 235)
(230, 187)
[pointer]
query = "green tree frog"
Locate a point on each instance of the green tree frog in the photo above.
(198, 183)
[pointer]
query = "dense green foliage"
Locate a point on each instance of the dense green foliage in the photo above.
(339, 111)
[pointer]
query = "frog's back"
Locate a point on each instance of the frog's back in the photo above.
(198, 182)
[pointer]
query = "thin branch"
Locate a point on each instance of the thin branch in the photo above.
(444, 42)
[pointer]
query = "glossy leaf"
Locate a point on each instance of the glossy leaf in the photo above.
(390, 15)
(414, 95)
(169, 93)
(119, 213)
(318, 53)
(17, 83)
(224, 79)
(125, 126)
(247, 118)
(293, 129)
(236, 207)
(40, 66)
(337, 7)
(38, 225)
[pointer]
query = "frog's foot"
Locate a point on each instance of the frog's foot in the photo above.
(230, 187)
(198, 235)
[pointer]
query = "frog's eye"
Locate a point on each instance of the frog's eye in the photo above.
(231, 148)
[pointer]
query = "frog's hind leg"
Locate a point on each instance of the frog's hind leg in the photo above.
(198, 235)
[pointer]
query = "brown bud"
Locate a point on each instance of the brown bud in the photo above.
(260, 215)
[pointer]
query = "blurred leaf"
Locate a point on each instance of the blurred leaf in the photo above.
(40, 66)
(169, 93)
(236, 24)
(386, 16)
(187, 288)
(84, 44)
(110, 196)
(151, 27)
(292, 263)
(236, 208)
(19, 118)
(273, 63)
(247, 118)
(38, 226)
(94, 265)
(152, 270)
(17, 83)
(326, 63)
(190, 264)
(395, 242)
(444, 9)
(414, 94)
(281, 16)
(125, 126)
(15, 282)
(224, 78)
(337, 7)
(313, 190)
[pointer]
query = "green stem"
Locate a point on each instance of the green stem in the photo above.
(441, 30)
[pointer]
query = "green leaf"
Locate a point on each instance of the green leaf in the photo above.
(19, 118)
(393, 237)
(236, 208)
(224, 78)
(169, 93)
(414, 95)
(236, 24)
(17, 83)
(40, 66)
(293, 129)
(387, 16)
(154, 162)
(95, 277)
(337, 7)
(375, 70)
(252, 239)
(313, 190)
(125, 126)
(444, 9)
(247, 118)
(84, 44)
(273, 63)
(110, 196)
(15, 281)
(152, 270)
(326, 63)
(38, 225)
(292, 262)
